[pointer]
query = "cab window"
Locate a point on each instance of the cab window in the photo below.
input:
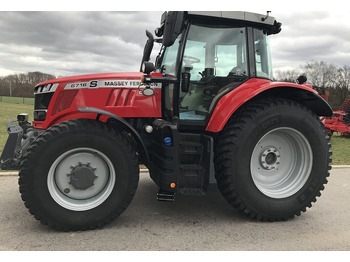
(262, 54)
(216, 59)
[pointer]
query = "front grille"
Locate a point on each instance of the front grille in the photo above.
(42, 98)
(42, 101)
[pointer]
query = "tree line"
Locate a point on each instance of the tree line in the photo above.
(22, 85)
(324, 77)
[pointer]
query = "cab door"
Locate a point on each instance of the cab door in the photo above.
(216, 60)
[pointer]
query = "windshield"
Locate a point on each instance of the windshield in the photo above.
(169, 59)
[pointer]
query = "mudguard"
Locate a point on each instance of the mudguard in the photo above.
(257, 88)
(134, 133)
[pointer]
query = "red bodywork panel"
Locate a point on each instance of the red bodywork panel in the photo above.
(229, 103)
(117, 93)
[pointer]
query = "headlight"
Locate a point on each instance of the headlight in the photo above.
(147, 67)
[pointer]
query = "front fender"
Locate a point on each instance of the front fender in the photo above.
(259, 88)
(141, 146)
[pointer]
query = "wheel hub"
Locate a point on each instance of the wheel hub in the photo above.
(82, 176)
(270, 158)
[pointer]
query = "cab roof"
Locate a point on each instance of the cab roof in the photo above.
(242, 17)
(237, 15)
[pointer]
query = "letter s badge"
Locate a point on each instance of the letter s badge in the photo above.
(93, 84)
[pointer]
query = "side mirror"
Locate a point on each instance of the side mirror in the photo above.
(173, 25)
(185, 82)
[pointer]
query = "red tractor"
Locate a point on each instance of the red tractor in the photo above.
(205, 112)
(340, 120)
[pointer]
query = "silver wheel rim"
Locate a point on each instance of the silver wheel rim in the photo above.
(99, 174)
(281, 162)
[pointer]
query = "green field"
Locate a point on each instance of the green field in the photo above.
(340, 145)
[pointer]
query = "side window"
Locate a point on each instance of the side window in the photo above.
(194, 59)
(262, 55)
(226, 59)
(231, 60)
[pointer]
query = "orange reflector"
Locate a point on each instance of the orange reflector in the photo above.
(172, 185)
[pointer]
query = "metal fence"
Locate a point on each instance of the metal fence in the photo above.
(17, 100)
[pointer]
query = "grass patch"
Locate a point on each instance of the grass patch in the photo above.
(340, 145)
(341, 150)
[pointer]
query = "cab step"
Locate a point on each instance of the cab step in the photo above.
(165, 196)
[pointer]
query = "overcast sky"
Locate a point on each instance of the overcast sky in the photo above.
(69, 43)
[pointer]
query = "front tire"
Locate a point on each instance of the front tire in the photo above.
(272, 159)
(78, 175)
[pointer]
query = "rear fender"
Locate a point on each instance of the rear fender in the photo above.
(260, 88)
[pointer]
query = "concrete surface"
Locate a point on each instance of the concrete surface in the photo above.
(190, 223)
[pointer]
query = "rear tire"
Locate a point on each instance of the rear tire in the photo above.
(78, 175)
(272, 159)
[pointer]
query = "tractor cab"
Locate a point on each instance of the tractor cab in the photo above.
(205, 55)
